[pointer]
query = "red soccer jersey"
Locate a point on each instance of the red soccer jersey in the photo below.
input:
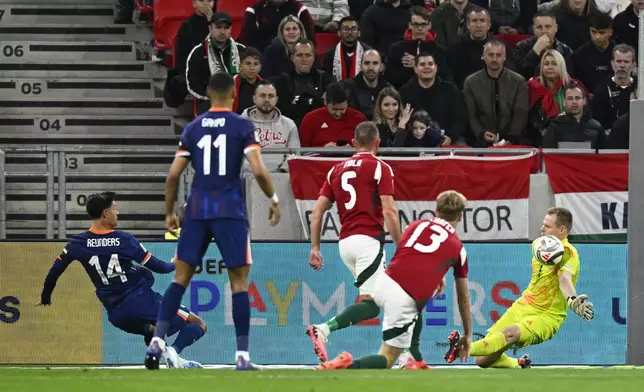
(356, 186)
(427, 250)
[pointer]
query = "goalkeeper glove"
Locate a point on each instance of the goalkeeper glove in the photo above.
(582, 306)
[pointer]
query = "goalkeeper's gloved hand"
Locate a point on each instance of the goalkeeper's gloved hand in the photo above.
(582, 306)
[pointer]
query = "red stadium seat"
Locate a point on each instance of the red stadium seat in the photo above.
(168, 16)
(324, 42)
(143, 8)
(511, 40)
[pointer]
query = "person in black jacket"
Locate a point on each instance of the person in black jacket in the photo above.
(626, 24)
(619, 136)
(384, 23)
(574, 22)
(592, 60)
(365, 87)
(301, 90)
(441, 99)
(613, 97)
(527, 54)
(277, 57)
(466, 56)
(575, 124)
(418, 38)
(344, 59)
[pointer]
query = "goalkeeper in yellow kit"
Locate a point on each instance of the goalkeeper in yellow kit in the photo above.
(537, 315)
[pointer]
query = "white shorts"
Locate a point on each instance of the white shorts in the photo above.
(400, 312)
(364, 256)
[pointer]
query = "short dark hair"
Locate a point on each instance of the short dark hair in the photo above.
(366, 132)
(420, 11)
(424, 54)
(544, 14)
(304, 41)
(349, 18)
(574, 85)
(563, 217)
(476, 11)
(249, 51)
(99, 202)
(601, 21)
(335, 93)
(623, 48)
(263, 82)
(221, 83)
(495, 42)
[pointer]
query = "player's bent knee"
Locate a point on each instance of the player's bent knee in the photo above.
(391, 353)
(512, 333)
(238, 279)
(365, 297)
(483, 362)
(193, 318)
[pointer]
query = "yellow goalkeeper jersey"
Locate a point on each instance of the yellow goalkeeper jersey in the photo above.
(543, 293)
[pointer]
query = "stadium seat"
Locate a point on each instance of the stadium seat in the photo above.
(144, 9)
(168, 17)
(511, 40)
(324, 42)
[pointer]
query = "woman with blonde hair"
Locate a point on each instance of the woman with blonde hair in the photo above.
(277, 56)
(391, 118)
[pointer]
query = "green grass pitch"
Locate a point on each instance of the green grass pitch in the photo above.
(436, 380)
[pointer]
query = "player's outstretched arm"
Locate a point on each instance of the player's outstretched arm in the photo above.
(390, 213)
(171, 184)
(321, 206)
(56, 270)
(265, 182)
(157, 265)
(463, 296)
(577, 303)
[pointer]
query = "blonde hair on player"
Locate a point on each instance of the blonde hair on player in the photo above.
(450, 205)
(563, 217)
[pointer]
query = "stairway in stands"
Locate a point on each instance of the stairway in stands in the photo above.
(70, 77)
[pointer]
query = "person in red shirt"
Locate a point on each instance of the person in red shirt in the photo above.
(363, 189)
(332, 125)
(428, 249)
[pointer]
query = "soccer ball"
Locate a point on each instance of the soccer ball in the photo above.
(548, 250)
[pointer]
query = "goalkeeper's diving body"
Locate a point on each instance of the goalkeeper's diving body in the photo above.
(540, 311)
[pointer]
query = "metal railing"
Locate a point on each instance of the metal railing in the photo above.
(56, 157)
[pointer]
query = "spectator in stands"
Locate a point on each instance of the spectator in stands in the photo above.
(575, 124)
(277, 57)
(528, 53)
(418, 38)
(594, 6)
(384, 23)
(465, 57)
(592, 61)
(247, 79)
(626, 24)
(449, 21)
(391, 118)
(547, 93)
(619, 136)
(301, 90)
(333, 125)
(327, 13)
(193, 31)
(262, 21)
(365, 87)
(441, 99)
(423, 132)
(272, 129)
(497, 100)
(343, 61)
(613, 97)
(511, 16)
(219, 53)
(573, 23)
(124, 16)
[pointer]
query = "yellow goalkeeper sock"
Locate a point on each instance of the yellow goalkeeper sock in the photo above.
(493, 343)
(506, 362)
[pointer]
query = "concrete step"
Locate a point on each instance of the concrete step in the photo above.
(82, 69)
(87, 184)
(34, 203)
(73, 126)
(75, 88)
(75, 32)
(56, 14)
(66, 51)
(78, 106)
(91, 163)
(104, 140)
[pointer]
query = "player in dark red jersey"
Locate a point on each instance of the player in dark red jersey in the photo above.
(215, 144)
(121, 270)
(363, 189)
(428, 249)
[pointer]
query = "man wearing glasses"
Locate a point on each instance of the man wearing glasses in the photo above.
(343, 61)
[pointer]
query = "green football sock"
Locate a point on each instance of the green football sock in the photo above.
(370, 362)
(505, 362)
(354, 314)
(414, 349)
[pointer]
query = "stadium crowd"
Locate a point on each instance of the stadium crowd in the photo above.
(473, 73)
